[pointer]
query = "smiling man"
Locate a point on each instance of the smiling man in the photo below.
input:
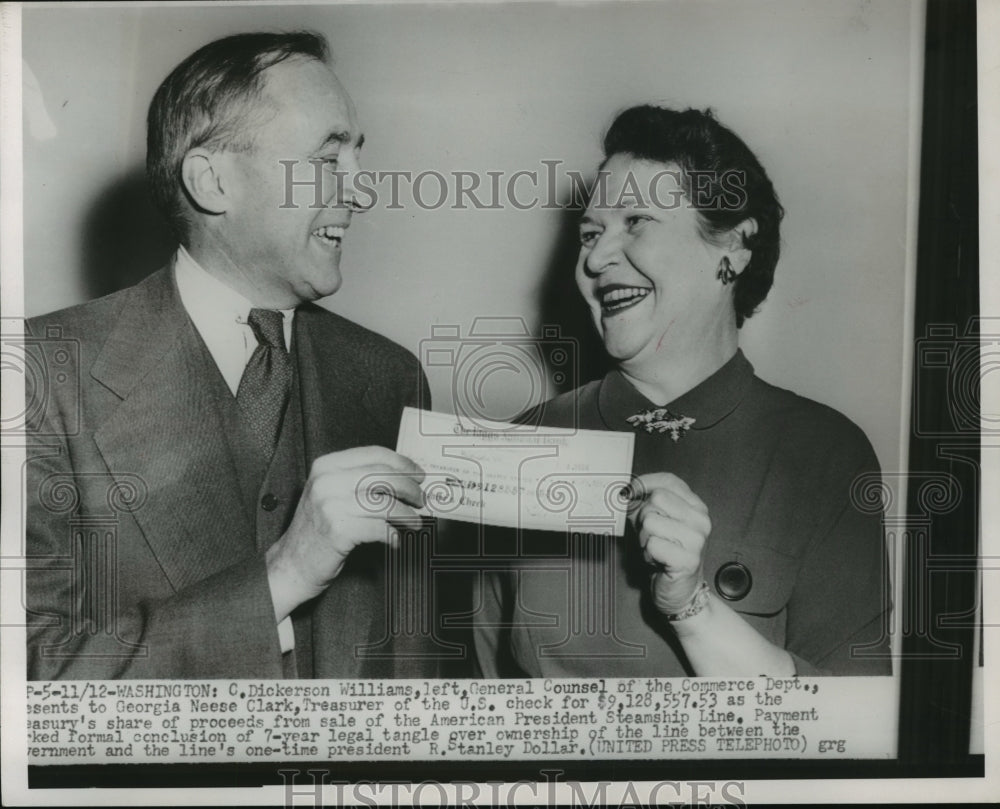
(227, 424)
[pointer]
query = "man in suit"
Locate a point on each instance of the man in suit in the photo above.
(197, 503)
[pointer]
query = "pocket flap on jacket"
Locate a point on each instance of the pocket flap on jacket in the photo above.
(751, 578)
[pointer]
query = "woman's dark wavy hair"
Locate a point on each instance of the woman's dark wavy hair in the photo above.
(732, 184)
(212, 99)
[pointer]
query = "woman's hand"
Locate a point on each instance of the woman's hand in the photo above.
(672, 523)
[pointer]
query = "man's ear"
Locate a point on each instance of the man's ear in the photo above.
(202, 173)
(739, 253)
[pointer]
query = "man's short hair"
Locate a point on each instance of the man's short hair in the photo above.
(211, 100)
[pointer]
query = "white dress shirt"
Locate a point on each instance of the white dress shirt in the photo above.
(220, 313)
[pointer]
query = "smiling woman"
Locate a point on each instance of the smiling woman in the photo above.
(745, 554)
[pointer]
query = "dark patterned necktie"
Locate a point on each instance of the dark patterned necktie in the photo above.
(267, 380)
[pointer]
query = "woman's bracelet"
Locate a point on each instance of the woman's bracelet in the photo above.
(695, 604)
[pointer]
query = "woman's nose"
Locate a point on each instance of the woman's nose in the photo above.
(603, 254)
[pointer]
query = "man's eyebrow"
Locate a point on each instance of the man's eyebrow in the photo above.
(342, 137)
(586, 220)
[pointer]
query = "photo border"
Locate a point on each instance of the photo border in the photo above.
(936, 694)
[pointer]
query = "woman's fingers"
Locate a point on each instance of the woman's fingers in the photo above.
(671, 530)
(670, 556)
(672, 523)
(666, 506)
(644, 486)
(672, 504)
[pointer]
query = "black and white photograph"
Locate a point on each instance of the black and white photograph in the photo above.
(411, 402)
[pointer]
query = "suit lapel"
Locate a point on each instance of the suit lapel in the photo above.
(168, 431)
(333, 384)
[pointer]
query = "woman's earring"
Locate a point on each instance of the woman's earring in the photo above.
(726, 273)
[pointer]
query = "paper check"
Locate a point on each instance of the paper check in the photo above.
(516, 476)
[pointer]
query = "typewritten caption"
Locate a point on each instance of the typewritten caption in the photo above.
(634, 718)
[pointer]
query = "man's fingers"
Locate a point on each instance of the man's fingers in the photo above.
(368, 486)
(360, 457)
(403, 516)
(402, 486)
(370, 528)
(409, 491)
(378, 529)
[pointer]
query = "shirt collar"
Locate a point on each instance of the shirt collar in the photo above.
(211, 304)
(219, 314)
(708, 402)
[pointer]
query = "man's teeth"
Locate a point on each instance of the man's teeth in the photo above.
(330, 233)
(622, 297)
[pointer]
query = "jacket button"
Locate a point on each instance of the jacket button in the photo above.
(733, 581)
(269, 502)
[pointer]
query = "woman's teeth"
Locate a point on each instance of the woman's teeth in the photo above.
(329, 233)
(615, 300)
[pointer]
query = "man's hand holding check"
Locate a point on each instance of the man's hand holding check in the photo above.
(331, 519)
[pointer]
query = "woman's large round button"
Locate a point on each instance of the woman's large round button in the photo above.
(733, 581)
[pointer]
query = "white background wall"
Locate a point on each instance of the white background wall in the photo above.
(820, 90)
